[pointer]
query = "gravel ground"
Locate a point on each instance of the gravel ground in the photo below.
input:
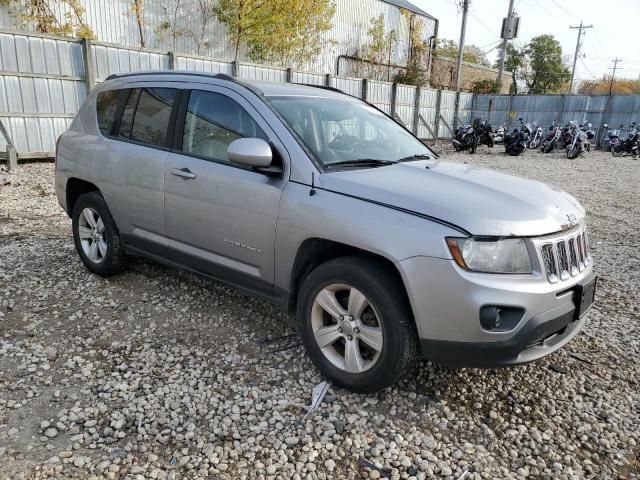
(159, 374)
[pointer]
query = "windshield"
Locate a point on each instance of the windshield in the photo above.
(341, 132)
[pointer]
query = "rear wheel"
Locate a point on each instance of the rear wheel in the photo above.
(356, 324)
(96, 235)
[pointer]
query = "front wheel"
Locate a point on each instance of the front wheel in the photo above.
(549, 147)
(574, 152)
(96, 235)
(356, 324)
(535, 143)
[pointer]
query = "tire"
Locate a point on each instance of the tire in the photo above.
(474, 146)
(573, 153)
(99, 247)
(490, 142)
(533, 144)
(387, 315)
(548, 148)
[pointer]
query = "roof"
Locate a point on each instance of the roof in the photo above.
(409, 6)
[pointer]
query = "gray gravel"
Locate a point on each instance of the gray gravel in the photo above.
(159, 374)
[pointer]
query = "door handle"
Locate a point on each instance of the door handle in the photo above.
(184, 173)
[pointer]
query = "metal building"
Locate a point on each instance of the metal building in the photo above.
(113, 21)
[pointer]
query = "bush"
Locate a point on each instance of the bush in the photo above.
(486, 86)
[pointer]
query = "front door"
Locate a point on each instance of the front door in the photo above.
(220, 217)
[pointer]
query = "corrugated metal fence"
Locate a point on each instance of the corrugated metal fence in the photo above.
(44, 79)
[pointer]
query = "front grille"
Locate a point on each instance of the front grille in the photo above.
(567, 256)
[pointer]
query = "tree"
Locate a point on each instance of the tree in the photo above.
(40, 14)
(205, 14)
(622, 86)
(278, 31)
(414, 74)
(292, 34)
(138, 6)
(516, 64)
(378, 52)
(546, 72)
(175, 22)
(471, 53)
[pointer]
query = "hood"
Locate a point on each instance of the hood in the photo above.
(479, 200)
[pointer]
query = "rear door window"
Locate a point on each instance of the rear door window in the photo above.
(146, 115)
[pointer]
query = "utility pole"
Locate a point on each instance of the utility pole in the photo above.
(580, 28)
(505, 41)
(465, 9)
(615, 65)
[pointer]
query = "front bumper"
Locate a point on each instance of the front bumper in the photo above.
(446, 302)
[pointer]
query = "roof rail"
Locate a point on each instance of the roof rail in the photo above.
(218, 76)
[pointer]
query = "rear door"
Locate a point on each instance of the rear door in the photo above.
(221, 217)
(130, 165)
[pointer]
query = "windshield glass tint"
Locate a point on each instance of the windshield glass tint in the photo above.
(337, 130)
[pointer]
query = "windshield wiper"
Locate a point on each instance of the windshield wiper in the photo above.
(361, 162)
(419, 156)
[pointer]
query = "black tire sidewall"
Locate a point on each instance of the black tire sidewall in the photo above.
(95, 201)
(390, 309)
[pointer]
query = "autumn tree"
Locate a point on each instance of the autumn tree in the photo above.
(418, 53)
(471, 53)
(276, 31)
(40, 14)
(622, 86)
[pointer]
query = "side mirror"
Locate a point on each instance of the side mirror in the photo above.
(252, 152)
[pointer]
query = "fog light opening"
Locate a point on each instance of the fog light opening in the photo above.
(499, 318)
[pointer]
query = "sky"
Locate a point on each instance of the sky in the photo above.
(615, 32)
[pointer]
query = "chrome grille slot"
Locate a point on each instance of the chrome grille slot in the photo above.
(573, 257)
(564, 255)
(550, 264)
(563, 260)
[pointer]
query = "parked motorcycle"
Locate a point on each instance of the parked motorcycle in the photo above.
(517, 141)
(499, 132)
(465, 138)
(612, 137)
(629, 144)
(581, 137)
(536, 137)
(485, 134)
(550, 142)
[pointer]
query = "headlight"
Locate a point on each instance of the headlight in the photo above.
(491, 256)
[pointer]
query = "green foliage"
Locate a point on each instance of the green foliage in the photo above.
(287, 32)
(486, 86)
(547, 70)
(414, 74)
(537, 66)
(39, 14)
(378, 51)
(471, 53)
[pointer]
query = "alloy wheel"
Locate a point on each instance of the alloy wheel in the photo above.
(92, 235)
(347, 328)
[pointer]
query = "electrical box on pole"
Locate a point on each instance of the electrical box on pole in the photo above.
(511, 28)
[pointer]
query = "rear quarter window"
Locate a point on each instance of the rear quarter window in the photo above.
(106, 106)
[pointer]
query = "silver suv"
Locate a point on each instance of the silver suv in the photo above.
(321, 203)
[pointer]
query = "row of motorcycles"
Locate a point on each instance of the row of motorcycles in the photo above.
(573, 138)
